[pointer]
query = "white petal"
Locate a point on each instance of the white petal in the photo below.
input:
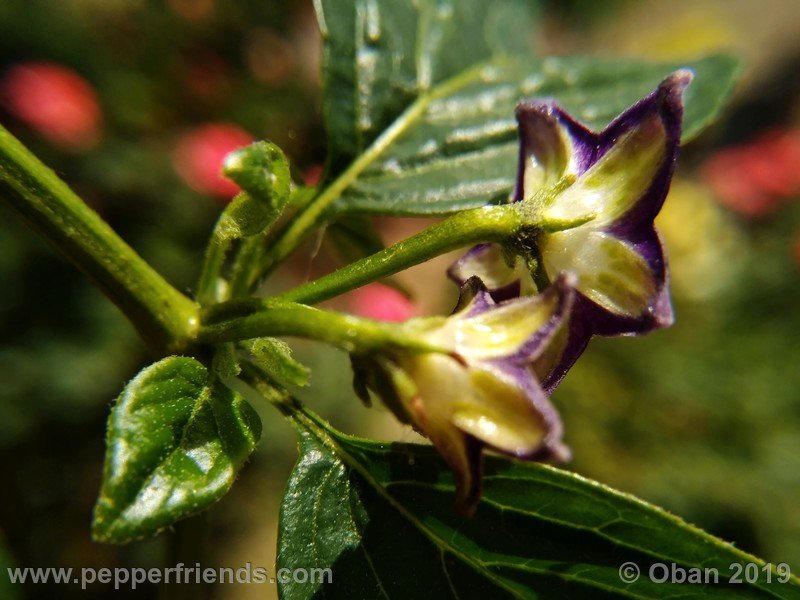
(500, 414)
(609, 271)
(611, 187)
(498, 332)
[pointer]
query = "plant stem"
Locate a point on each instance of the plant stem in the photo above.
(207, 285)
(251, 318)
(244, 263)
(165, 318)
(485, 224)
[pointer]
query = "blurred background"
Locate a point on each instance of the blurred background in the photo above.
(134, 102)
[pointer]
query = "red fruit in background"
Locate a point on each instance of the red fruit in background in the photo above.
(54, 100)
(377, 301)
(199, 153)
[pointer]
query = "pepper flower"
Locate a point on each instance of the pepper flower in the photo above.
(481, 389)
(591, 199)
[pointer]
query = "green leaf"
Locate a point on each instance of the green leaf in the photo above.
(244, 217)
(176, 440)
(456, 146)
(380, 55)
(275, 357)
(380, 516)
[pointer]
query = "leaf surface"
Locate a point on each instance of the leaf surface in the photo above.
(456, 146)
(176, 440)
(380, 516)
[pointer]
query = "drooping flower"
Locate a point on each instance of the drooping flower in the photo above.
(482, 389)
(591, 199)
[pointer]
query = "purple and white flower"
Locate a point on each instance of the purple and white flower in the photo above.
(482, 389)
(591, 199)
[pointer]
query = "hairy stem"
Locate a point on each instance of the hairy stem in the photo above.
(252, 318)
(486, 224)
(165, 318)
(208, 284)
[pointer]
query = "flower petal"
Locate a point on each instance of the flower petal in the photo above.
(552, 145)
(575, 339)
(633, 163)
(517, 329)
(443, 384)
(609, 271)
(500, 414)
(488, 263)
(523, 424)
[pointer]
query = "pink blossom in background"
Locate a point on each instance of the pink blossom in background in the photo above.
(755, 179)
(55, 101)
(378, 301)
(199, 153)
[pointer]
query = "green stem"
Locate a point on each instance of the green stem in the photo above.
(486, 224)
(252, 318)
(208, 284)
(165, 318)
(244, 263)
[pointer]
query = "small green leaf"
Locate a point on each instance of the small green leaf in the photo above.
(380, 516)
(262, 171)
(275, 357)
(176, 440)
(244, 217)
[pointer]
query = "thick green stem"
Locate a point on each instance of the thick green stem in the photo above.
(253, 318)
(486, 224)
(165, 318)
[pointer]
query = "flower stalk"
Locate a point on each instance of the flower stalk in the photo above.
(253, 318)
(485, 224)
